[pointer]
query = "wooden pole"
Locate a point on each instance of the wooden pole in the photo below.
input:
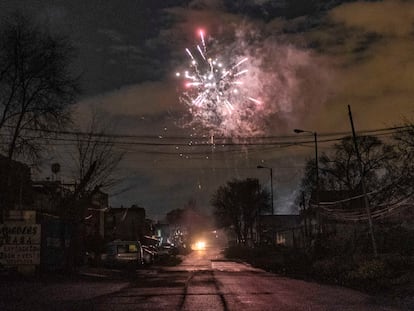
(364, 190)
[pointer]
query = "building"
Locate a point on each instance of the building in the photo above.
(280, 229)
(16, 178)
(125, 223)
(95, 214)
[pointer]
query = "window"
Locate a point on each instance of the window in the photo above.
(127, 248)
(132, 248)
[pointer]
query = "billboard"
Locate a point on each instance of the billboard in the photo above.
(20, 244)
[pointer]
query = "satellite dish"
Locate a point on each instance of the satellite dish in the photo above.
(55, 168)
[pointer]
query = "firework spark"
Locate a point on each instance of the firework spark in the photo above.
(215, 89)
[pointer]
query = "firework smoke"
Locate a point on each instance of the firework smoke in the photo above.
(215, 91)
(249, 87)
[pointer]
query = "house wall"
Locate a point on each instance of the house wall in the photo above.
(16, 178)
(124, 224)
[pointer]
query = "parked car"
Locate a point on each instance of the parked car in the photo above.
(149, 254)
(119, 253)
(167, 249)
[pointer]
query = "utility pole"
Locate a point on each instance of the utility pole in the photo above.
(315, 137)
(318, 211)
(364, 190)
(259, 221)
(271, 189)
(271, 184)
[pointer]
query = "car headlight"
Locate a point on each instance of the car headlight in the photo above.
(199, 245)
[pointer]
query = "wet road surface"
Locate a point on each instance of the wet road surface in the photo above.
(204, 281)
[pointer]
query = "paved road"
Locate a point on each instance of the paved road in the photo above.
(202, 282)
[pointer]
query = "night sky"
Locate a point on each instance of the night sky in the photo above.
(310, 58)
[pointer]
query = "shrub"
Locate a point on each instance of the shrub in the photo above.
(273, 258)
(370, 275)
(237, 252)
(371, 270)
(333, 270)
(398, 240)
(398, 263)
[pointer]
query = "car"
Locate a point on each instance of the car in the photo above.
(167, 249)
(149, 254)
(123, 253)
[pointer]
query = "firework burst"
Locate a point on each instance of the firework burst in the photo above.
(215, 89)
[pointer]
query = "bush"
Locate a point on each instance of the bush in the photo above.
(277, 259)
(332, 270)
(370, 270)
(237, 252)
(387, 272)
(398, 263)
(397, 240)
(296, 262)
(370, 275)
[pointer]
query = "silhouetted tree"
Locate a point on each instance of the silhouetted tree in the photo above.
(339, 171)
(36, 90)
(36, 85)
(403, 170)
(96, 158)
(237, 205)
(95, 145)
(189, 219)
(175, 217)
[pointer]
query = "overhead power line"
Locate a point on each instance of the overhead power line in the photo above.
(207, 138)
(194, 147)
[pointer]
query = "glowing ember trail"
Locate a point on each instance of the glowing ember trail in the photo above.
(216, 91)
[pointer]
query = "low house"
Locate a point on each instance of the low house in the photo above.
(15, 176)
(48, 195)
(125, 223)
(280, 229)
(343, 217)
(95, 214)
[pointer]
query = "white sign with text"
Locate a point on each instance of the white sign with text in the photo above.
(20, 244)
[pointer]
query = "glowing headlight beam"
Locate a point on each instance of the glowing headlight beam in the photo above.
(199, 246)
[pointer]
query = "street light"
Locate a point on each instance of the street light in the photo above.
(271, 184)
(315, 136)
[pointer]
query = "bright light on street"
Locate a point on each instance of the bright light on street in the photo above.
(199, 246)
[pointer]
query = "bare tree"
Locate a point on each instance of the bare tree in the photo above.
(96, 159)
(36, 85)
(36, 90)
(237, 205)
(403, 171)
(96, 147)
(338, 170)
(189, 219)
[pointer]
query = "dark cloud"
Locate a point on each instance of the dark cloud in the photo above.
(370, 43)
(309, 60)
(356, 53)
